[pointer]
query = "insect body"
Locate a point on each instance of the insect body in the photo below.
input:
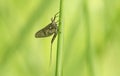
(50, 29)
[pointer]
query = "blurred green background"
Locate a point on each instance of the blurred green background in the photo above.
(91, 37)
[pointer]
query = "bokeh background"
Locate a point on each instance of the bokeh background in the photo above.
(91, 37)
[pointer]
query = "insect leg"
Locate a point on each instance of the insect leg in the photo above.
(55, 16)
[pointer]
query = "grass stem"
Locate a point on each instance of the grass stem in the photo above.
(58, 69)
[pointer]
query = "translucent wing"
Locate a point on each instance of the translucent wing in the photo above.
(46, 31)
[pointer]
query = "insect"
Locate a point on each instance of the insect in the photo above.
(50, 29)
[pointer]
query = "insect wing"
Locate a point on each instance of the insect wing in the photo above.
(45, 32)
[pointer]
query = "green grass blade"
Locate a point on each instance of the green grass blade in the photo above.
(58, 70)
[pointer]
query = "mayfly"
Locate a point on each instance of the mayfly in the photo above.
(50, 29)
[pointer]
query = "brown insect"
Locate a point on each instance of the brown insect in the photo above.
(50, 29)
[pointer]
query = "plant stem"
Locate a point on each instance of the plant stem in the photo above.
(89, 50)
(58, 69)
